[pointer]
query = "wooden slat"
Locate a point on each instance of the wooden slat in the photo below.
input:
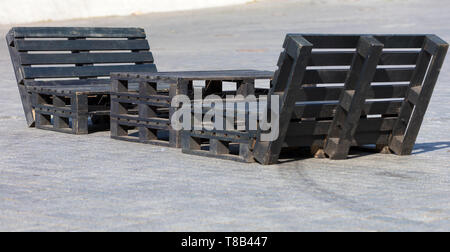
(138, 123)
(24, 95)
(230, 136)
(351, 40)
(399, 58)
(33, 83)
(333, 93)
(306, 128)
(81, 45)
(345, 58)
(353, 98)
(339, 76)
(97, 89)
(287, 83)
(221, 75)
(85, 58)
(329, 110)
(77, 32)
(85, 71)
(156, 120)
(360, 139)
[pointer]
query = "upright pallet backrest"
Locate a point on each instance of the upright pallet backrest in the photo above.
(335, 65)
(74, 56)
(286, 83)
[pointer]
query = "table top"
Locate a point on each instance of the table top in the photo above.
(198, 75)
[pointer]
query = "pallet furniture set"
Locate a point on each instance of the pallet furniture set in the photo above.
(336, 91)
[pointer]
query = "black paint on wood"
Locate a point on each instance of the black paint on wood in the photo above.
(418, 97)
(353, 98)
(287, 84)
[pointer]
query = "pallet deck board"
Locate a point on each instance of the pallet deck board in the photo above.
(78, 32)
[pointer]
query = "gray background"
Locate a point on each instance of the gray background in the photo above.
(60, 182)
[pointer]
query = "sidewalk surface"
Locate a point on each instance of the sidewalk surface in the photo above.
(59, 182)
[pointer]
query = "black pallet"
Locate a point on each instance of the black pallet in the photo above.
(71, 110)
(368, 110)
(143, 115)
(39, 58)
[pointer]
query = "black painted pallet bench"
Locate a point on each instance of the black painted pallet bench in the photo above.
(143, 114)
(342, 91)
(63, 72)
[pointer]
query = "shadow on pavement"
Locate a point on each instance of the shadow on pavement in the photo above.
(430, 147)
(293, 155)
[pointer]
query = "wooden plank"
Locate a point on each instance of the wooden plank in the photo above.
(137, 119)
(165, 99)
(62, 83)
(318, 141)
(352, 100)
(24, 94)
(351, 40)
(326, 76)
(60, 122)
(230, 136)
(77, 32)
(329, 110)
(69, 90)
(85, 58)
(179, 88)
(281, 76)
(84, 71)
(81, 45)
(314, 128)
(80, 105)
(333, 93)
(223, 75)
(287, 84)
(345, 58)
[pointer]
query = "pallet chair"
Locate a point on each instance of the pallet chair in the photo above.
(340, 91)
(63, 72)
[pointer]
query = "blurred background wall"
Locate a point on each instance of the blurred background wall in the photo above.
(26, 11)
